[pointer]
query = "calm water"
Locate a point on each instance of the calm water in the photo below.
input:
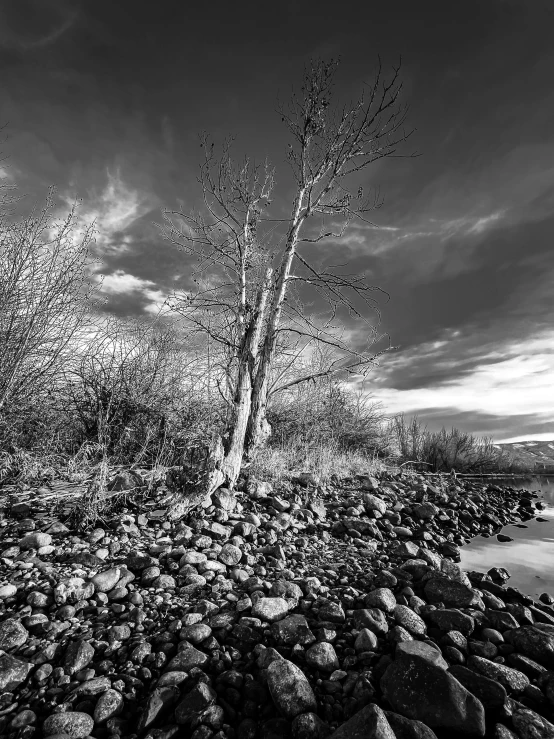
(530, 557)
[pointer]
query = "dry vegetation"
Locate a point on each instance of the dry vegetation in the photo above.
(81, 390)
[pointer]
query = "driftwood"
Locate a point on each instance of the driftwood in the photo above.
(193, 483)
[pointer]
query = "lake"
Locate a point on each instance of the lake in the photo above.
(530, 557)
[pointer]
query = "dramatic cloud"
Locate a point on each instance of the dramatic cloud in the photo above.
(110, 113)
(507, 384)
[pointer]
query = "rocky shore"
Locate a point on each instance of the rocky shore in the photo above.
(304, 611)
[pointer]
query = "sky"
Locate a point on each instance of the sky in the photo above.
(106, 101)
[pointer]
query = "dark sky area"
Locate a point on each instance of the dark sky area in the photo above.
(106, 99)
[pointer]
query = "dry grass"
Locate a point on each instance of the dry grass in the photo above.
(20, 465)
(90, 507)
(292, 457)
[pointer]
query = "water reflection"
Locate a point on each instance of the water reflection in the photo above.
(530, 557)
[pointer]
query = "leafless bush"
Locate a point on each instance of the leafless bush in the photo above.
(328, 413)
(134, 392)
(45, 297)
(444, 450)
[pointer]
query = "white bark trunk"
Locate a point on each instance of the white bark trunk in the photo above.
(225, 469)
(243, 403)
(258, 427)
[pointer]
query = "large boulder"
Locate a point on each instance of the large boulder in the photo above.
(12, 634)
(369, 723)
(270, 609)
(106, 580)
(198, 699)
(374, 503)
(513, 680)
(292, 630)
(452, 619)
(426, 510)
(317, 506)
(224, 499)
(409, 620)
(73, 590)
(187, 657)
(290, 689)
(407, 728)
(156, 705)
(361, 525)
(36, 540)
(74, 724)
(535, 642)
(529, 725)
(78, 655)
(371, 618)
(418, 686)
(12, 672)
(367, 483)
(490, 692)
(322, 656)
(455, 594)
(290, 591)
(309, 726)
(382, 598)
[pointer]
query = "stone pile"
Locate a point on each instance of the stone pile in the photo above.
(307, 611)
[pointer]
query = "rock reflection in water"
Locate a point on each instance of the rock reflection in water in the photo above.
(529, 557)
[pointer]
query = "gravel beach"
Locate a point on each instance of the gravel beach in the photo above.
(299, 609)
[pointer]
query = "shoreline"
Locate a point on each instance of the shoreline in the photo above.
(293, 612)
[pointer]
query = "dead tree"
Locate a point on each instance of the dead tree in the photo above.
(255, 271)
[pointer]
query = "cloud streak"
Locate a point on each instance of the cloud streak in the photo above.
(462, 378)
(114, 211)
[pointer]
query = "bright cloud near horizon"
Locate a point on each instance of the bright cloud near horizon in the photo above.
(106, 101)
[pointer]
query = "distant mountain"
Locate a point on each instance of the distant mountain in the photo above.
(538, 455)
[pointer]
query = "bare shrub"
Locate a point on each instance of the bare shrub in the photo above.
(442, 451)
(327, 412)
(137, 393)
(45, 296)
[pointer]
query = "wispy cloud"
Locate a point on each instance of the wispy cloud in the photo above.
(442, 229)
(113, 211)
(432, 229)
(483, 223)
(43, 28)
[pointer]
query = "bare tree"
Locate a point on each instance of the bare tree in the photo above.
(45, 296)
(255, 272)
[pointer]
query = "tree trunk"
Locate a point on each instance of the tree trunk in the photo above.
(259, 429)
(234, 448)
(223, 465)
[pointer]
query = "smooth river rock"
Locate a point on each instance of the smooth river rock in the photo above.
(290, 689)
(75, 724)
